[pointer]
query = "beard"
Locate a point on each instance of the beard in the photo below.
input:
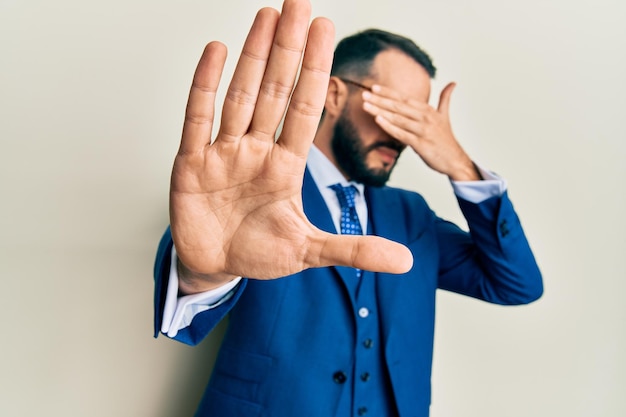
(351, 154)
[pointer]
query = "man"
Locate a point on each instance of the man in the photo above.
(324, 340)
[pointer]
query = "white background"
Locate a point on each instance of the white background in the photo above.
(91, 104)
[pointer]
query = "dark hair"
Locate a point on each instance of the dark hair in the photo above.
(355, 54)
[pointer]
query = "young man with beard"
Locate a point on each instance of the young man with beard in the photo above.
(324, 340)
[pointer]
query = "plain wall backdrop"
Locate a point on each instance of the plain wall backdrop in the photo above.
(92, 96)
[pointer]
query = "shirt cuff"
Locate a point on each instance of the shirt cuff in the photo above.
(179, 311)
(478, 191)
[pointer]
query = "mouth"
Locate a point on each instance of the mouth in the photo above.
(388, 153)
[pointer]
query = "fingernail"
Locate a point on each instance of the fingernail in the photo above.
(367, 95)
(376, 88)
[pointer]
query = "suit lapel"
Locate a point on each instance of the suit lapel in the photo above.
(386, 215)
(314, 205)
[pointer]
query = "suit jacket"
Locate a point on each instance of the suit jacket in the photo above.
(286, 338)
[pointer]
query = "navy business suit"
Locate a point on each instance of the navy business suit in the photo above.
(288, 339)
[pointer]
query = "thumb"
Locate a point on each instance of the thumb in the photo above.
(444, 99)
(370, 253)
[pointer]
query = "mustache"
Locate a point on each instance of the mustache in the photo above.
(395, 145)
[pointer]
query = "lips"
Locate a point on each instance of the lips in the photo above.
(387, 154)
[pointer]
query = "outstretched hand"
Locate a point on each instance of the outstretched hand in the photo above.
(235, 202)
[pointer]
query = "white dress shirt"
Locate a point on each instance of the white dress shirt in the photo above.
(179, 311)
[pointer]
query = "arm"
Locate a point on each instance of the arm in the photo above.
(495, 262)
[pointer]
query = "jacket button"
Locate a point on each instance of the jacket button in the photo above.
(362, 411)
(340, 377)
(368, 343)
(504, 230)
(365, 376)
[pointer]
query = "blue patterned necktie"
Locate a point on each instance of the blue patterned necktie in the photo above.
(349, 224)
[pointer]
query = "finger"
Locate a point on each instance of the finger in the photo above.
(383, 91)
(243, 91)
(307, 102)
(406, 136)
(412, 109)
(282, 69)
(444, 99)
(389, 93)
(201, 103)
(409, 127)
(369, 253)
(393, 109)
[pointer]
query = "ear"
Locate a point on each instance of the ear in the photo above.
(336, 97)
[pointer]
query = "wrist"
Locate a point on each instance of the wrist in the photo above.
(190, 282)
(468, 171)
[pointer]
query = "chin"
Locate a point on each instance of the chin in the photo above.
(380, 168)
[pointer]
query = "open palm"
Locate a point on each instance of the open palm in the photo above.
(235, 202)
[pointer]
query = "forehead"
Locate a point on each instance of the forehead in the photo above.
(398, 71)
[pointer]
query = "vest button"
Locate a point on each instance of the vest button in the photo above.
(362, 411)
(368, 343)
(340, 377)
(365, 376)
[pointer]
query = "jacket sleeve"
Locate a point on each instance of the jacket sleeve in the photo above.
(494, 262)
(203, 322)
